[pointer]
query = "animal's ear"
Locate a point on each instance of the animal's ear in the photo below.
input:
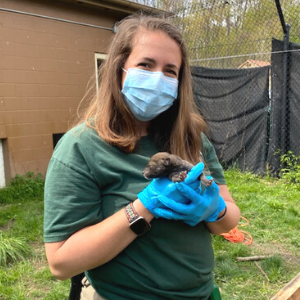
(166, 161)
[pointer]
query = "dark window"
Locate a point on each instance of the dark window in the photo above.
(56, 137)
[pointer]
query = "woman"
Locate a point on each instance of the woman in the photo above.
(144, 105)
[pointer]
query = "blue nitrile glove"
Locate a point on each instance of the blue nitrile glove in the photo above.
(194, 173)
(167, 188)
(205, 207)
(149, 196)
(163, 187)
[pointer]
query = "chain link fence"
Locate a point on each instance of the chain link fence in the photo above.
(244, 57)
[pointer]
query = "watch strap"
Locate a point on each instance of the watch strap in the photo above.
(138, 224)
(131, 213)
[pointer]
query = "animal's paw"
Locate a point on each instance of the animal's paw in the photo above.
(205, 180)
(178, 176)
(182, 175)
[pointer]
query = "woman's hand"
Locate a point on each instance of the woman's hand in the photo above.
(160, 192)
(183, 201)
(202, 207)
(161, 187)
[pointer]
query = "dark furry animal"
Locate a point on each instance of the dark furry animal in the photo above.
(172, 166)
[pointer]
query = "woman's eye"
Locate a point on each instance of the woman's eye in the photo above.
(144, 65)
(171, 73)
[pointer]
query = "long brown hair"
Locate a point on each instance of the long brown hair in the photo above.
(177, 130)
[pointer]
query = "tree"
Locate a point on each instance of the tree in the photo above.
(225, 33)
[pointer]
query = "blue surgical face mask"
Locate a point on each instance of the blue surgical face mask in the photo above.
(148, 94)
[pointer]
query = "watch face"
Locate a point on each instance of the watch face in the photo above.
(140, 226)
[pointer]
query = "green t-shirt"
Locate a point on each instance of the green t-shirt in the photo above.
(87, 181)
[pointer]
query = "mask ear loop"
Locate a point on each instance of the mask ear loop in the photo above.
(124, 70)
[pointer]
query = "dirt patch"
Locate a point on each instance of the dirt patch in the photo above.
(276, 249)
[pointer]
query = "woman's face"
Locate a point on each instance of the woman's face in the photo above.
(154, 51)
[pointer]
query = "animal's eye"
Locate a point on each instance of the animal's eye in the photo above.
(167, 161)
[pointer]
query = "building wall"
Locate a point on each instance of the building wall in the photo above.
(2, 172)
(45, 66)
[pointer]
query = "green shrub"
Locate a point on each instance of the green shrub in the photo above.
(290, 171)
(23, 188)
(12, 249)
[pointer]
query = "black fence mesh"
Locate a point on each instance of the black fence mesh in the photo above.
(245, 59)
(285, 103)
(235, 104)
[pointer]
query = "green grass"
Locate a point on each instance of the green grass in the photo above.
(270, 205)
(12, 249)
(23, 188)
(24, 274)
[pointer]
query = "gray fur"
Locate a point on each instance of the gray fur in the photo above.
(165, 164)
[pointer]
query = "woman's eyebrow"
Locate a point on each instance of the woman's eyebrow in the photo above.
(173, 66)
(148, 59)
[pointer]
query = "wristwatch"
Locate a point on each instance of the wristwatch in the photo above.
(137, 223)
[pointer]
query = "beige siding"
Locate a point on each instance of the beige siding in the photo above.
(45, 66)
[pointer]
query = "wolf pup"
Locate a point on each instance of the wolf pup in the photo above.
(164, 164)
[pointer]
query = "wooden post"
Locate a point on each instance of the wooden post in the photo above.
(291, 291)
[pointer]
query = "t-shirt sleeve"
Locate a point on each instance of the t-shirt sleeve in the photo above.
(72, 198)
(212, 161)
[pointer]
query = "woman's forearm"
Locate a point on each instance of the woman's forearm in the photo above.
(92, 246)
(232, 216)
(227, 223)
